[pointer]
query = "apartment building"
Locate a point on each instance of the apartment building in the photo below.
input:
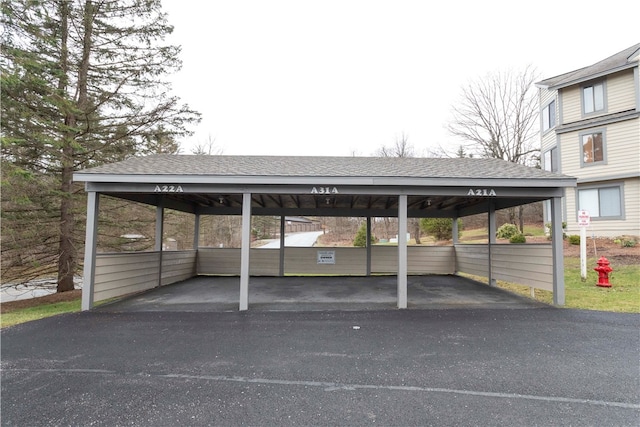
(590, 129)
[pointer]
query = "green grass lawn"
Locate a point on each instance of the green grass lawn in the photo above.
(39, 312)
(622, 296)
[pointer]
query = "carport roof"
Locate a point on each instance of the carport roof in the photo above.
(304, 166)
(301, 185)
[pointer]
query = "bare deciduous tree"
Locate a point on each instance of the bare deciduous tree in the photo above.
(401, 148)
(207, 148)
(497, 117)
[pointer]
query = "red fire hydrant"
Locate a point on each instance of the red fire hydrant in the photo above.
(603, 270)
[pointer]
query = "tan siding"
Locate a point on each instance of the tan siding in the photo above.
(349, 261)
(622, 147)
(305, 261)
(620, 92)
(530, 265)
(570, 153)
(472, 259)
(623, 150)
(218, 261)
(610, 228)
(121, 274)
(571, 104)
(264, 262)
(178, 266)
(548, 138)
(384, 259)
(431, 260)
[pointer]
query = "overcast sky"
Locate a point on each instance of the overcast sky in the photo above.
(342, 78)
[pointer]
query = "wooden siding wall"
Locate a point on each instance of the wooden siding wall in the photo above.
(620, 93)
(178, 266)
(124, 273)
(472, 259)
(348, 261)
(530, 265)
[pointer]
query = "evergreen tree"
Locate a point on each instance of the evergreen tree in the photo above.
(82, 84)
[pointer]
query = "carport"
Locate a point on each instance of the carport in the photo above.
(283, 186)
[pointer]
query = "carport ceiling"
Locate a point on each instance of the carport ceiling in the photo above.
(324, 186)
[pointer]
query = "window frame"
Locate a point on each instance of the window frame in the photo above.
(581, 136)
(583, 99)
(549, 111)
(554, 164)
(619, 186)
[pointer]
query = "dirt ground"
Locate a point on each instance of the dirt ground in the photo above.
(598, 247)
(614, 252)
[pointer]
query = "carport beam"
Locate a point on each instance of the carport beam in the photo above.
(159, 235)
(492, 241)
(556, 248)
(368, 245)
(196, 232)
(244, 251)
(282, 237)
(402, 251)
(89, 273)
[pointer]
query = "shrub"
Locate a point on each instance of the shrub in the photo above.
(439, 228)
(574, 239)
(550, 230)
(361, 237)
(626, 243)
(507, 231)
(518, 238)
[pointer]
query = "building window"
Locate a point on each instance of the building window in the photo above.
(601, 202)
(593, 98)
(549, 116)
(592, 146)
(550, 160)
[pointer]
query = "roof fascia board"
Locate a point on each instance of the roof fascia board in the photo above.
(590, 123)
(480, 190)
(591, 76)
(295, 184)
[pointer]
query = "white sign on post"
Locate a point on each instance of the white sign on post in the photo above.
(584, 219)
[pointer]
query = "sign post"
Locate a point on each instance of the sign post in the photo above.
(584, 219)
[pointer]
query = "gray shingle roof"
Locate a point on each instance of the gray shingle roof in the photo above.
(617, 62)
(301, 166)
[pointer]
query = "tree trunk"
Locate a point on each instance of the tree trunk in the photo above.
(67, 251)
(521, 218)
(415, 222)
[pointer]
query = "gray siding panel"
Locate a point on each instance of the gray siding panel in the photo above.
(530, 264)
(472, 259)
(178, 266)
(125, 273)
(348, 261)
(121, 274)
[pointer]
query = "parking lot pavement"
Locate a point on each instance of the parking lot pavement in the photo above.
(543, 366)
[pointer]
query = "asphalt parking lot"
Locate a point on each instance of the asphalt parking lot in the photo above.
(442, 367)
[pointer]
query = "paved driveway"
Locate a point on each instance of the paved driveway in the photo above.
(441, 367)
